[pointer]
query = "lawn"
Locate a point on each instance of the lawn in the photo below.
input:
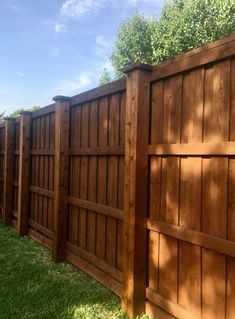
(32, 286)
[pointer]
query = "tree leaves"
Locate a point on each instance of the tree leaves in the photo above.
(182, 26)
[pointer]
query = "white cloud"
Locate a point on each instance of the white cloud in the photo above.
(19, 73)
(144, 6)
(77, 84)
(100, 40)
(73, 86)
(59, 27)
(79, 8)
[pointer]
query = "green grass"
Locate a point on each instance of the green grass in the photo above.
(32, 286)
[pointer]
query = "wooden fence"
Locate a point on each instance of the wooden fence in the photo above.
(134, 183)
(2, 148)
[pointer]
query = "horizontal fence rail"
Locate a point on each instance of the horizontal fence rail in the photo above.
(134, 183)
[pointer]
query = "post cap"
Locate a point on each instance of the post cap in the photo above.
(137, 66)
(61, 98)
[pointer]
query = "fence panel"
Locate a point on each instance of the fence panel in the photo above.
(96, 186)
(191, 192)
(2, 148)
(175, 122)
(42, 175)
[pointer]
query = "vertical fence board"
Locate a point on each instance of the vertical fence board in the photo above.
(24, 173)
(62, 108)
(8, 170)
(135, 197)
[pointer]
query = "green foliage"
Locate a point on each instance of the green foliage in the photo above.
(183, 25)
(18, 111)
(133, 43)
(188, 24)
(105, 77)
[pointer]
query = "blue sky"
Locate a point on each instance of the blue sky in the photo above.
(51, 47)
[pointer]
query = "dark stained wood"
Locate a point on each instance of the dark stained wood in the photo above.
(62, 109)
(96, 273)
(95, 151)
(102, 177)
(135, 192)
(43, 111)
(215, 243)
(42, 152)
(170, 307)
(40, 238)
(105, 267)
(41, 191)
(193, 149)
(156, 312)
(104, 90)
(24, 173)
(98, 208)
(218, 50)
(191, 187)
(136, 187)
(8, 171)
(41, 229)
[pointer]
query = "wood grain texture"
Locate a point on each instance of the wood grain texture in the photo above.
(62, 109)
(8, 169)
(135, 193)
(24, 173)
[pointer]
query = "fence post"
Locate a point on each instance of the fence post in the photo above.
(24, 172)
(136, 185)
(62, 107)
(8, 170)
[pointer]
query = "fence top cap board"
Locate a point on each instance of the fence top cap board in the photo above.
(61, 98)
(25, 113)
(99, 92)
(137, 66)
(206, 54)
(8, 118)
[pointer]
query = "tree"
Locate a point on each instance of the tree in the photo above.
(17, 112)
(105, 77)
(188, 24)
(2, 116)
(133, 43)
(183, 25)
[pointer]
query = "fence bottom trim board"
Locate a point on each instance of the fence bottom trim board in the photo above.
(41, 229)
(156, 312)
(169, 306)
(40, 238)
(95, 261)
(94, 272)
